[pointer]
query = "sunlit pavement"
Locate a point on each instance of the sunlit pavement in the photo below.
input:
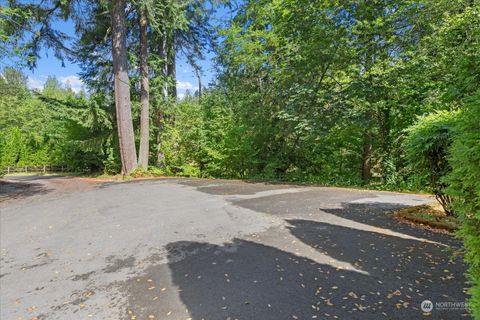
(216, 249)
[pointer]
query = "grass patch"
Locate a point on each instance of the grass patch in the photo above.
(427, 216)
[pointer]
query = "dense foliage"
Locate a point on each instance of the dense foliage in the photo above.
(54, 127)
(328, 100)
(464, 186)
(427, 147)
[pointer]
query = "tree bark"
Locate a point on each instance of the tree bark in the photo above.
(159, 116)
(163, 54)
(126, 137)
(171, 65)
(199, 79)
(159, 123)
(144, 93)
(366, 157)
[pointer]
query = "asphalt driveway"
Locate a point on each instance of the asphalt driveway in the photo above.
(214, 249)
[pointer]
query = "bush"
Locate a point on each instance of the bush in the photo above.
(11, 147)
(464, 181)
(426, 146)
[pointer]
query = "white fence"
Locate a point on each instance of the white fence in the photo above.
(27, 169)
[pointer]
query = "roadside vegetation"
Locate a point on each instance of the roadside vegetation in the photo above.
(378, 94)
(427, 216)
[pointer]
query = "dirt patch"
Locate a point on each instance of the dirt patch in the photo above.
(17, 188)
(62, 185)
(427, 216)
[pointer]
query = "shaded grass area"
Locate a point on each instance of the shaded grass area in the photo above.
(428, 216)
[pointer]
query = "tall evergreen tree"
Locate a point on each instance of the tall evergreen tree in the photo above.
(144, 91)
(122, 88)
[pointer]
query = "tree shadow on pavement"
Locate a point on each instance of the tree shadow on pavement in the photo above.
(248, 280)
(380, 215)
(422, 270)
(15, 190)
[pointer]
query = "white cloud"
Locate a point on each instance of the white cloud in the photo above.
(73, 81)
(35, 84)
(181, 85)
(181, 95)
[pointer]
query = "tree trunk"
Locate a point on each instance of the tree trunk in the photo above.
(171, 67)
(159, 123)
(199, 78)
(163, 54)
(126, 137)
(144, 93)
(367, 156)
(159, 116)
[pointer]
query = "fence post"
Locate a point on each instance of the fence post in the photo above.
(26, 169)
(44, 169)
(8, 170)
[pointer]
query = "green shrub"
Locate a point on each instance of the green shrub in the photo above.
(426, 147)
(464, 181)
(12, 147)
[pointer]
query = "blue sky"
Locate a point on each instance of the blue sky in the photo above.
(49, 65)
